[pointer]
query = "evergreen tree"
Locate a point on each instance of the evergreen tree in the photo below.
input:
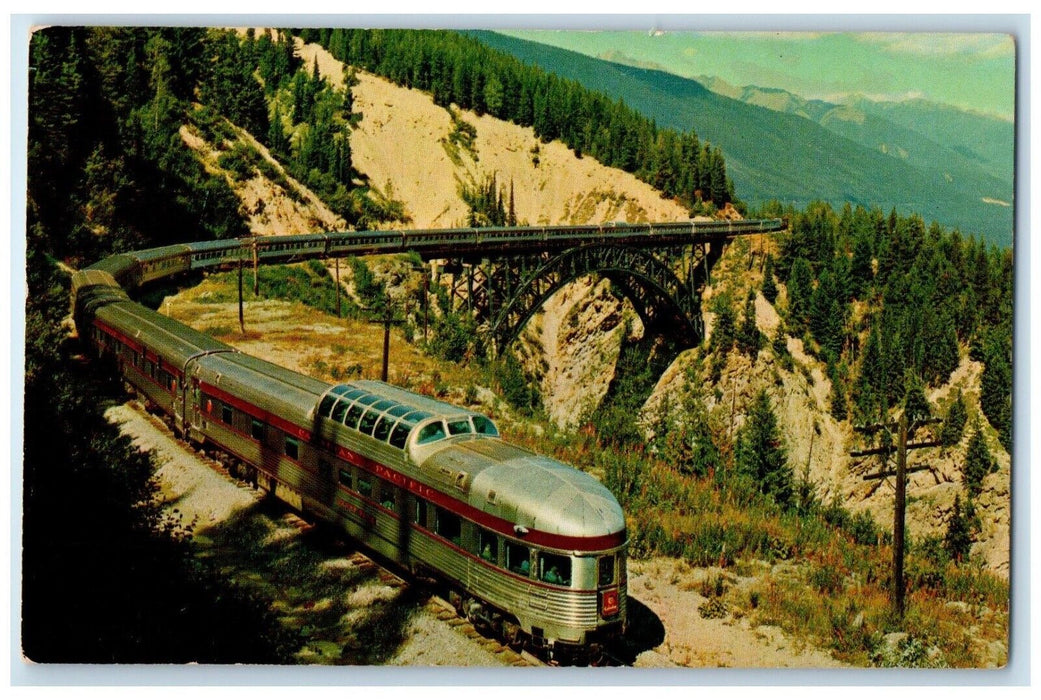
(800, 290)
(916, 405)
(749, 339)
(827, 317)
(978, 462)
(760, 455)
(724, 333)
(996, 383)
(769, 285)
(871, 383)
(861, 270)
(839, 375)
(518, 389)
(954, 424)
(957, 540)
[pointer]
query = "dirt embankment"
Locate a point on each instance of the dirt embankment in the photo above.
(403, 144)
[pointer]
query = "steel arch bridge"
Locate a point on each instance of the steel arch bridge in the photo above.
(501, 275)
(504, 293)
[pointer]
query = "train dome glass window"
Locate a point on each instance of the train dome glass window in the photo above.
(484, 426)
(368, 421)
(460, 426)
(383, 427)
(431, 432)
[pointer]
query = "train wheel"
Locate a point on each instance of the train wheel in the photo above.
(512, 634)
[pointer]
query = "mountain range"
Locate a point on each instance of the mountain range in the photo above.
(948, 165)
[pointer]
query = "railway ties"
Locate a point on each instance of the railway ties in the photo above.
(445, 612)
(437, 606)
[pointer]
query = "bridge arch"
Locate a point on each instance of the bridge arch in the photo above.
(656, 292)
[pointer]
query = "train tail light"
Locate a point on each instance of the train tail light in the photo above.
(609, 602)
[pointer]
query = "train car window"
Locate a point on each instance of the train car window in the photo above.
(605, 570)
(339, 410)
(554, 568)
(483, 426)
(518, 558)
(292, 447)
(400, 435)
(345, 478)
(383, 405)
(387, 495)
(421, 512)
(226, 413)
(448, 525)
(488, 545)
(382, 429)
(326, 405)
(459, 427)
(367, 421)
(365, 484)
(431, 432)
(351, 421)
(256, 429)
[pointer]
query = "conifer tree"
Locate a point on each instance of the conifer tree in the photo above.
(769, 285)
(916, 405)
(800, 290)
(760, 455)
(957, 540)
(996, 383)
(749, 339)
(978, 462)
(861, 272)
(724, 332)
(954, 424)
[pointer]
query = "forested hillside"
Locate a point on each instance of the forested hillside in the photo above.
(786, 157)
(886, 304)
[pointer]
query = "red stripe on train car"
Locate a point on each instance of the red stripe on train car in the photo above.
(257, 412)
(439, 498)
(121, 337)
(487, 520)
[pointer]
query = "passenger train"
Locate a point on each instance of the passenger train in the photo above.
(530, 547)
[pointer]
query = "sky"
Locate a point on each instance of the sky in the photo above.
(972, 71)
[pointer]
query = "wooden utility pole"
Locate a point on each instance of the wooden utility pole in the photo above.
(242, 318)
(386, 342)
(256, 269)
(337, 287)
(900, 505)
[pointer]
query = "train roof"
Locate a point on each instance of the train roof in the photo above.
(171, 339)
(275, 391)
(528, 489)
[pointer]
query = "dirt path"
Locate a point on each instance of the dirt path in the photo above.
(665, 587)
